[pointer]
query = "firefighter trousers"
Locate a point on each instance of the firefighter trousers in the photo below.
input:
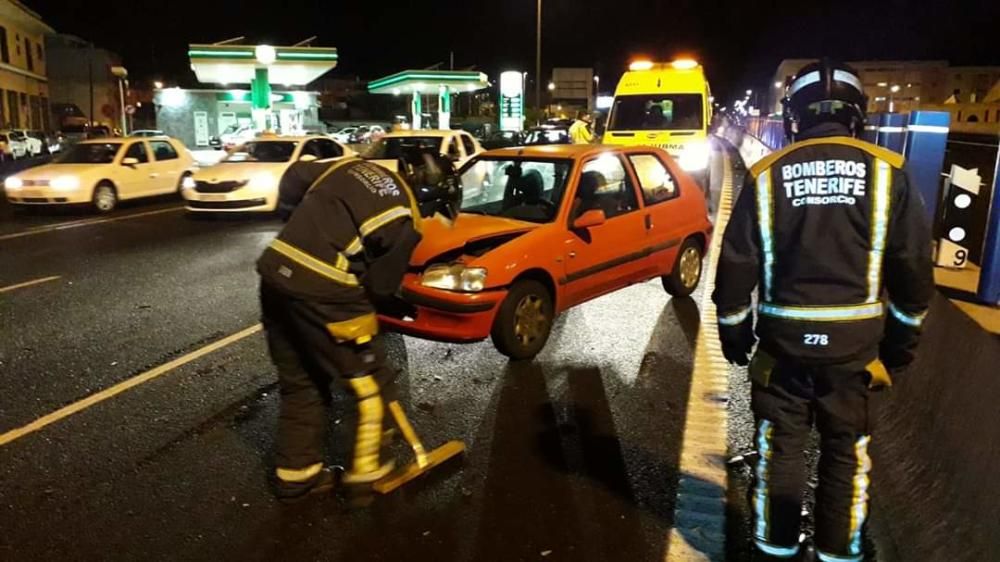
(786, 404)
(308, 359)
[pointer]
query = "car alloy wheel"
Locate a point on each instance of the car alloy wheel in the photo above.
(105, 199)
(690, 266)
(530, 320)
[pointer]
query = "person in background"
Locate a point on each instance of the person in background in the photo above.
(579, 131)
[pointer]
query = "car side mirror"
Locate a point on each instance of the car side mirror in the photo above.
(130, 162)
(590, 219)
(308, 158)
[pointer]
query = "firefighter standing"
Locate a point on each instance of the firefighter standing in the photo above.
(826, 229)
(347, 244)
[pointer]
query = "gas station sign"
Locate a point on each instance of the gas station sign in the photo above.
(511, 101)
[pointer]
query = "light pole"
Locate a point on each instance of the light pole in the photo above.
(597, 89)
(121, 74)
(538, 62)
(892, 91)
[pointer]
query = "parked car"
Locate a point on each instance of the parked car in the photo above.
(104, 172)
(550, 228)
(344, 135)
(34, 141)
(12, 145)
(458, 146)
(366, 134)
(547, 134)
(146, 133)
(233, 136)
(246, 179)
(503, 139)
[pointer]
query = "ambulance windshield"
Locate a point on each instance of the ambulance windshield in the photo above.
(657, 112)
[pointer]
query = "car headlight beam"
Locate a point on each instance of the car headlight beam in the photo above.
(694, 157)
(13, 183)
(262, 182)
(455, 277)
(188, 183)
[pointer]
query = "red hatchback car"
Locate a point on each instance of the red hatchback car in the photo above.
(546, 228)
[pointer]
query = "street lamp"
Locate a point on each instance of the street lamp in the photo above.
(538, 61)
(121, 74)
(893, 90)
(158, 85)
(552, 86)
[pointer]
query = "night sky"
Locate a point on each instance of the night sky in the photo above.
(740, 43)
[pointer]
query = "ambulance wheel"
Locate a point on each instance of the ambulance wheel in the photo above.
(524, 321)
(686, 274)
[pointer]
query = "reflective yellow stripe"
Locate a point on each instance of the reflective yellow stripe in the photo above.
(893, 158)
(299, 475)
(859, 499)
(371, 410)
(382, 219)
(881, 200)
(375, 223)
(824, 313)
(317, 266)
(765, 219)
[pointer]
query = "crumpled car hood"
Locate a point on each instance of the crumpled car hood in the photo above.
(473, 232)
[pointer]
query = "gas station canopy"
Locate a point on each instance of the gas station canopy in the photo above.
(429, 81)
(238, 64)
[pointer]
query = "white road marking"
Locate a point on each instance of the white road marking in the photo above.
(117, 389)
(85, 222)
(699, 530)
(29, 283)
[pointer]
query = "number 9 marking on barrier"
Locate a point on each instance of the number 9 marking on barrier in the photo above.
(960, 258)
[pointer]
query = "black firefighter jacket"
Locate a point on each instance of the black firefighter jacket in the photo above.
(835, 238)
(347, 243)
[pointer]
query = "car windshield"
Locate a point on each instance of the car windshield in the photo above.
(518, 188)
(657, 112)
(547, 136)
(270, 151)
(391, 148)
(90, 153)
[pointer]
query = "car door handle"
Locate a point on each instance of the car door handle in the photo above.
(649, 222)
(154, 175)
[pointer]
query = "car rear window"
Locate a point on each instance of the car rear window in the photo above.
(270, 151)
(657, 112)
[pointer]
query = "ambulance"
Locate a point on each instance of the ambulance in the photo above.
(666, 105)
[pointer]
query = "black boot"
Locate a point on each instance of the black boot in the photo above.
(291, 492)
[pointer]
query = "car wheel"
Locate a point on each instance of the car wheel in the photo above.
(686, 274)
(524, 321)
(105, 198)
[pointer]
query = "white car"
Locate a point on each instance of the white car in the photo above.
(103, 172)
(146, 133)
(12, 146)
(458, 146)
(236, 135)
(246, 179)
(344, 135)
(34, 141)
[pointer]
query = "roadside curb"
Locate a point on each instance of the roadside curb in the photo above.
(699, 531)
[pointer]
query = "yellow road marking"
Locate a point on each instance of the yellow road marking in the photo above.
(29, 283)
(85, 222)
(698, 533)
(117, 389)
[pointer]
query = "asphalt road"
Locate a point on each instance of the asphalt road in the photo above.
(571, 457)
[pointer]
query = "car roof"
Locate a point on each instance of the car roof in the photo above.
(576, 151)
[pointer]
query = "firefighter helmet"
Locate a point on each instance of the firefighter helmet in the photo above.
(824, 92)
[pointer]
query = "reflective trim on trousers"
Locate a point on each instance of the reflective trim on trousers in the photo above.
(760, 494)
(881, 201)
(824, 313)
(859, 499)
(824, 557)
(765, 216)
(299, 475)
(776, 551)
(912, 320)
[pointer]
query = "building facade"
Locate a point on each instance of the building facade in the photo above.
(24, 83)
(82, 87)
(902, 86)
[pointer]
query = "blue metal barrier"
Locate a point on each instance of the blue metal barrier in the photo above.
(892, 131)
(989, 275)
(926, 141)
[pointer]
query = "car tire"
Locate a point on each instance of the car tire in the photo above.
(105, 198)
(524, 321)
(686, 273)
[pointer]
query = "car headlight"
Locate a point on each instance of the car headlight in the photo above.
(455, 277)
(13, 183)
(262, 181)
(65, 183)
(188, 183)
(695, 156)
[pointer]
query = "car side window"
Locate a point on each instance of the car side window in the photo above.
(163, 151)
(137, 150)
(655, 180)
(453, 150)
(329, 149)
(312, 148)
(470, 147)
(605, 185)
